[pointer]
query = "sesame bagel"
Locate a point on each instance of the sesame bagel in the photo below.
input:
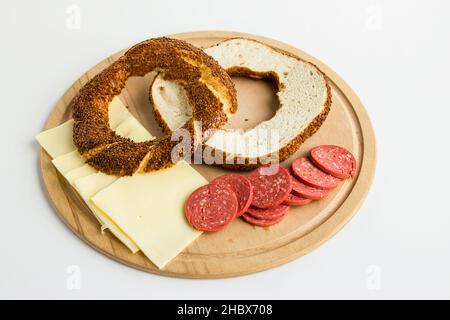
(303, 93)
(209, 90)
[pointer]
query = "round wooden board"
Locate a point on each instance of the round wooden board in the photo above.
(241, 248)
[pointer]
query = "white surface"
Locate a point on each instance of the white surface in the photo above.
(394, 54)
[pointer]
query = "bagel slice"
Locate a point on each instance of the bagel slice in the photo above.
(304, 97)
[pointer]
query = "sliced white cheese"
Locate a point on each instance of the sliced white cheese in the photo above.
(80, 172)
(57, 141)
(69, 161)
(149, 208)
(77, 173)
(140, 134)
(156, 221)
(82, 177)
(128, 125)
(87, 187)
(117, 112)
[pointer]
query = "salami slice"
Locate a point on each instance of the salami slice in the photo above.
(261, 222)
(293, 200)
(334, 160)
(271, 186)
(305, 171)
(211, 208)
(301, 189)
(241, 187)
(269, 213)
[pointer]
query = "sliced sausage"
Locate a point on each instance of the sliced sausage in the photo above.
(293, 200)
(334, 160)
(306, 172)
(271, 186)
(269, 213)
(261, 222)
(241, 187)
(211, 208)
(301, 189)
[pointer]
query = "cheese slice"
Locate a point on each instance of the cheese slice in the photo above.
(140, 134)
(74, 174)
(80, 172)
(69, 161)
(57, 141)
(149, 209)
(117, 112)
(128, 125)
(87, 187)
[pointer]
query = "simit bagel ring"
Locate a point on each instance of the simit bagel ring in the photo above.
(210, 91)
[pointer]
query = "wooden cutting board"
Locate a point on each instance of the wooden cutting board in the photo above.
(241, 248)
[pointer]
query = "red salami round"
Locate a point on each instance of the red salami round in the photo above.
(271, 186)
(269, 213)
(301, 189)
(334, 160)
(241, 187)
(261, 222)
(210, 208)
(293, 200)
(304, 170)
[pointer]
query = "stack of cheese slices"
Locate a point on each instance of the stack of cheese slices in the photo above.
(143, 211)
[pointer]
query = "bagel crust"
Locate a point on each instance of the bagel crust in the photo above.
(210, 92)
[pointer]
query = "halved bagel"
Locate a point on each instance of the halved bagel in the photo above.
(304, 102)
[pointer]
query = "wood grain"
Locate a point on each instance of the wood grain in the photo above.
(241, 248)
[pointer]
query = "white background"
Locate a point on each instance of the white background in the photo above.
(394, 54)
